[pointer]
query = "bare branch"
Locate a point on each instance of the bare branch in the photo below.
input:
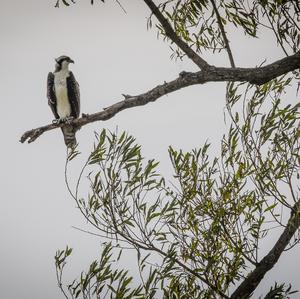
(257, 76)
(175, 38)
(254, 278)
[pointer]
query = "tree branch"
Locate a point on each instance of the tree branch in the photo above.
(248, 286)
(170, 33)
(221, 26)
(257, 76)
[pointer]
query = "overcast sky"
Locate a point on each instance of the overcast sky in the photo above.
(114, 54)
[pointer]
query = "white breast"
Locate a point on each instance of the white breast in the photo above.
(63, 105)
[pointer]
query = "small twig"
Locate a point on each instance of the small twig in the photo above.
(226, 41)
(101, 236)
(122, 7)
(278, 37)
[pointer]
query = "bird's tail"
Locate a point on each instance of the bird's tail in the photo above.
(69, 135)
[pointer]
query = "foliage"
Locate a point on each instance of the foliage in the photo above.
(99, 279)
(200, 235)
(195, 21)
(279, 292)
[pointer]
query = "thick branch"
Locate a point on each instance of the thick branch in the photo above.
(248, 286)
(257, 76)
(170, 33)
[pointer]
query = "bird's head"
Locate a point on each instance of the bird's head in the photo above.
(62, 62)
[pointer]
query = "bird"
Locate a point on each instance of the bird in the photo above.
(64, 97)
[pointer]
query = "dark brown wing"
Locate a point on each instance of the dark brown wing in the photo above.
(73, 95)
(51, 94)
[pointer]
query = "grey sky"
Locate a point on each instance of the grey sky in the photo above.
(114, 54)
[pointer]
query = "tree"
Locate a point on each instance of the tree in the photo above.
(199, 237)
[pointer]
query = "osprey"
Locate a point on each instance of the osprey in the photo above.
(64, 98)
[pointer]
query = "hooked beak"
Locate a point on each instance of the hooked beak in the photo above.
(71, 61)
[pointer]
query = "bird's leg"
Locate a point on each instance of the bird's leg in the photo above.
(57, 121)
(61, 120)
(68, 119)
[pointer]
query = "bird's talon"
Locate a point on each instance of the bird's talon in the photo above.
(68, 119)
(56, 121)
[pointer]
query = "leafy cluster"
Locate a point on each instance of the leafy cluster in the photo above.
(202, 234)
(99, 280)
(200, 22)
